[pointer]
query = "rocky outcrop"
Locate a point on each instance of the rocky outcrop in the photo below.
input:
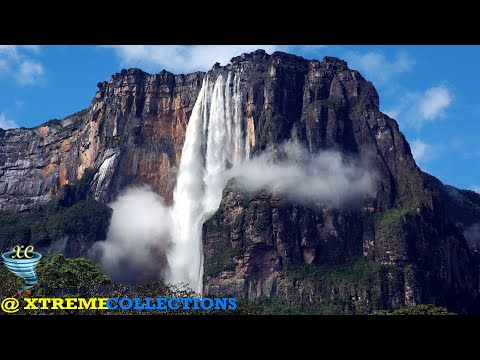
(405, 245)
(132, 133)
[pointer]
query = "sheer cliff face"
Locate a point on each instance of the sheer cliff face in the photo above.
(402, 246)
(132, 133)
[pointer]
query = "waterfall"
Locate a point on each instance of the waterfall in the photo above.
(214, 142)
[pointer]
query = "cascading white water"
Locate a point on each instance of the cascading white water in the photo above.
(214, 142)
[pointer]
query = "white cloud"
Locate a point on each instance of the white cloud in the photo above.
(29, 72)
(421, 151)
(434, 102)
(183, 58)
(6, 123)
(476, 188)
(18, 62)
(418, 108)
(377, 68)
(139, 214)
(328, 177)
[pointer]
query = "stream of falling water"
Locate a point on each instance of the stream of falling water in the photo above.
(214, 142)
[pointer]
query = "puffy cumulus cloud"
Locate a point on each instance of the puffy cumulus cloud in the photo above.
(434, 102)
(18, 62)
(415, 109)
(6, 123)
(29, 72)
(183, 58)
(377, 68)
(137, 239)
(328, 177)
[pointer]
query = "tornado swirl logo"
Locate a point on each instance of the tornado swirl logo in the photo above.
(23, 266)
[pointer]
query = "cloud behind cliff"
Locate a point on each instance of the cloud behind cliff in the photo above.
(191, 58)
(377, 67)
(6, 123)
(182, 58)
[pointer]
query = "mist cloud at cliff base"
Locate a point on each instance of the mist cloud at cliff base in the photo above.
(137, 239)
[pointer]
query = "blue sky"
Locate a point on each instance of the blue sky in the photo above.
(432, 91)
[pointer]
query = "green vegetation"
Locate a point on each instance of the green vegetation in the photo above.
(74, 214)
(218, 222)
(339, 289)
(422, 309)
(389, 225)
(356, 273)
(391, 218)
(57, 276)
(222, 261)
(78, 275)
(87, 219)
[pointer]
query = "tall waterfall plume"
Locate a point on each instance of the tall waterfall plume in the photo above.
(214, 142)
